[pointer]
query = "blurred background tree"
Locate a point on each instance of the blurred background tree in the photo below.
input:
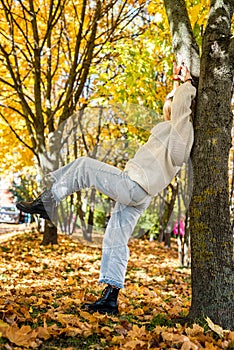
(46, 52)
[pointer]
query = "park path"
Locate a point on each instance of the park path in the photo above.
(9, 230)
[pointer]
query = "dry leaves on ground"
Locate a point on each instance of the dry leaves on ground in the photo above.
(42, 289)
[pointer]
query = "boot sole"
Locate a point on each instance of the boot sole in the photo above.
(108, 312)
(31, 211)
(103, 311)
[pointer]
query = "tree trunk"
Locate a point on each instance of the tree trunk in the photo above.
(183, 41)
(186, 252)
(211, 236)
(91, 213)
(50, 234)
(49, 162)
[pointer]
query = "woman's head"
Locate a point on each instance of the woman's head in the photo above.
(167, 108)
(167, 105)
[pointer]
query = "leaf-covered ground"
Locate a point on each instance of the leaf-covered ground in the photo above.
(42, 289)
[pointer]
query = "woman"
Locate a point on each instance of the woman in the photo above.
(153, 167)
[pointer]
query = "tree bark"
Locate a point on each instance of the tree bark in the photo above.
(50, 234)
(211, 236)
(183, 41)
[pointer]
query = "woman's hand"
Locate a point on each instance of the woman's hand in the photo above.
(185, 74)
(176, 72)
(181, 72)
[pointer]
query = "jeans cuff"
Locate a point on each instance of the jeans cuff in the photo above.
(111, 282)
(48, 180)
(56, 198)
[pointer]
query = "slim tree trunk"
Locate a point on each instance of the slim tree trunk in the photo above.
(50, 234)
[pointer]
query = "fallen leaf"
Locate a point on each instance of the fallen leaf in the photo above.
(43, 333)
(215, 328)
(172, 338)
(23, 336)
(71, 280)
(138, 312)
(132, 344)
(188, 345)
(44, 290)
(210, 346)
(137, 332)
(231, 336)
(118, 339)
(3, 324)
(194, 331)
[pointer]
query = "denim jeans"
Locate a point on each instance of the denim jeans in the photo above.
(131, 200)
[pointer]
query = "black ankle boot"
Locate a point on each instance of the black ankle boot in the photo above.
(106, 304)
(43, 205)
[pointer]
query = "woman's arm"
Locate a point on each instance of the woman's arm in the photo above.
(180, 73)
(181, 135)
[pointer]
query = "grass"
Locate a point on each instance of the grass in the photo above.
(92, 342)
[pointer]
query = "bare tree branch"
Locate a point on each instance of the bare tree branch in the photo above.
(72, 74)
(16, 134)
(17, 86)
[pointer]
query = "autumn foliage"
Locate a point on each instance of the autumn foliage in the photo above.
(42, 289)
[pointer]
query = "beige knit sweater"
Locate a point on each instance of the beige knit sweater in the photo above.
(156, 163)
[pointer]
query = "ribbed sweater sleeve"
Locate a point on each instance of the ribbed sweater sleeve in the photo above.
(181, 135)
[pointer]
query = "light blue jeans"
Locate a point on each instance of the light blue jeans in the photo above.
(131, 200)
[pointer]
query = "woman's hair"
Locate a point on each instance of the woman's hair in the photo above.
(167, 105)
(167, 108)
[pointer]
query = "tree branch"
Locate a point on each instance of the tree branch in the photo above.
(90, 47)
(72, 74)
(37, 70)
(16, 86)
(183, 41)
(17, 135)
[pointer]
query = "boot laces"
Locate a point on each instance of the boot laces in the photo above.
(104, 292)
(42, 196)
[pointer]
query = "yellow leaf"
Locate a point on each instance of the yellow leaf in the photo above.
(71, 280)
(210, 346)
(215, 328)
(231, 336)
(137, 332)
(192, 332)
(3, 324)
(132, 344)
(91, 318)
(188, 345)
(117, 339)
(23, 336)
(138, 312)
(175, 310)
(171, 338)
